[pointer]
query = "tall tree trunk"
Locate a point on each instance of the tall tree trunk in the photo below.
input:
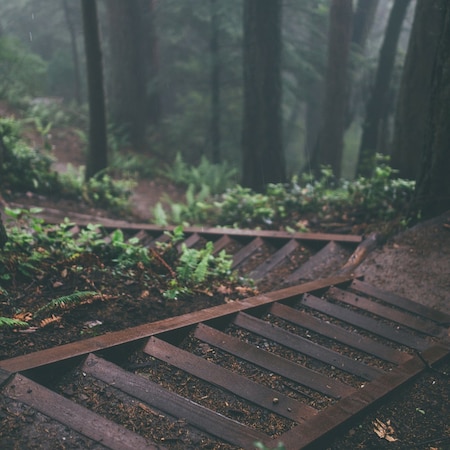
(97, 156)
(262, 149)
(331, 139)
(74, 49)
(379, 101)
(433, 183)
(127, 96)
(363, 19)
(151, 57)
(215, 82)
(415, 89)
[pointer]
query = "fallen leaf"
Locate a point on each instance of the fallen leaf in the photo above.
(384, 430)
(49, 320)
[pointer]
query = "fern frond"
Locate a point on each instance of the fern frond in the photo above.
(65, 301)
(12, 323)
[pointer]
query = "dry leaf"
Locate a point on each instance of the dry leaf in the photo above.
(384, 430)
(24, 316)
(50, 320)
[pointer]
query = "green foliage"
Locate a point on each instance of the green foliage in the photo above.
(217, 177)
(22, 73)
(65, 301)
(195, 210)
(261, 446)
(6, 322)
(24, 168)
(379, 198)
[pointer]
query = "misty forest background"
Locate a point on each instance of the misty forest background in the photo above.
(268, 89)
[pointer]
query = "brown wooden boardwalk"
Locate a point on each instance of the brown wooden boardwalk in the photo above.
(335, 347)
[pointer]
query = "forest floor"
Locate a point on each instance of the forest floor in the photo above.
(414, 264)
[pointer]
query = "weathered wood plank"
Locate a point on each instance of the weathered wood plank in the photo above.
(247, 251)
(171, 403)
(306, 347)
(275, 259)
(75, 416)
(273, 363)
(232, 382)
(109, 340)
(385, 312)
(313, 433)
(366, 323)
(437, 316)
(352, 339)
(329, 255)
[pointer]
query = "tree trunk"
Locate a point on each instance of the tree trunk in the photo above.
(151, 57)
(331, 139)
(74, 49)
(433, 183)
(380, 98)
(412, 111)
(127, 96)
(362, 23)
(97, 156)
(215, 83)
(262, 149)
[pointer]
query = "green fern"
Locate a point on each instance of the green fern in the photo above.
(66, 300)
(6, 322)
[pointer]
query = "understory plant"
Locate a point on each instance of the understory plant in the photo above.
(382, 197)
(84, 259)
(27, 169)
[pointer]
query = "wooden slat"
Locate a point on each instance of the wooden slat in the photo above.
(275, 259)
(306, 347)
(221, 243)
(402, 302)
(366, 323)
(332, 253)
(171, 403)
(385, 312)
(352, 339)
(247, 251)
(75, 416)
(273, 363)
(189, 241)
(232, 382)
(311, 434)
(117, 338)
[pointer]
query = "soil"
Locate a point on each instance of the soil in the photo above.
(414, 264)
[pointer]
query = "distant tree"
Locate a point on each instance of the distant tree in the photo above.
(127, 87)
(379, 102)
(97, 156)
(262, 150)
(331, 139)
(150, 42)
(433, 182)
(363, 20)
(415, 89)
(74, 49)
(215, 82)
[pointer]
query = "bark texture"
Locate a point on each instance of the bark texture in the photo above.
(97, 157)
(262, 149)
(433, 184)
(331, 139)
(415, 89)
(380, 98)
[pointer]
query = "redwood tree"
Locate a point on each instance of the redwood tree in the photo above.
(380, 97)
(262, 150)
(433, 183)
(97, 156)
(415, 89)
(330, 145)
